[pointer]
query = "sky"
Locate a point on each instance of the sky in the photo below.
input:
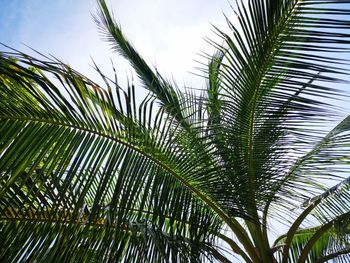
(169, 34)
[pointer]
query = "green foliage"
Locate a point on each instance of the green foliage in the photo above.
(92, 174)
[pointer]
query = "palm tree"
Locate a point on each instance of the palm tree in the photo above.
(92, 174)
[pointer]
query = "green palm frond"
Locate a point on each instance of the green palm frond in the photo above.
(83, 161)
(322, 243)
(328, 159)
(270, 87)
(168, 95)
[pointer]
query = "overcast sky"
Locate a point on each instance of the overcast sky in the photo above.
(169, 34)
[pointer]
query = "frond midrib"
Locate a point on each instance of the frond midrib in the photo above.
(271, 43)
(176, 174)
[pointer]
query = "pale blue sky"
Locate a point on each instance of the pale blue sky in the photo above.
(167, 33)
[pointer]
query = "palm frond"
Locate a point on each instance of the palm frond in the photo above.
(326, 243)
(165, 92)
(328, 160)
(89, 161)
(273, 98)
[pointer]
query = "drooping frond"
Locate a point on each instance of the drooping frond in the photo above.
(92, 173)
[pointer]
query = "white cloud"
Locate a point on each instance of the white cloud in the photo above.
(168, 34)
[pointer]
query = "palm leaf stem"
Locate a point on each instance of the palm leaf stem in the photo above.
(49, 219)
(257, 237)
(235, 248)
(272, 44)
(219, 256)
(333, 255)
(318, 234)
(293, 229)
(268, 203)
